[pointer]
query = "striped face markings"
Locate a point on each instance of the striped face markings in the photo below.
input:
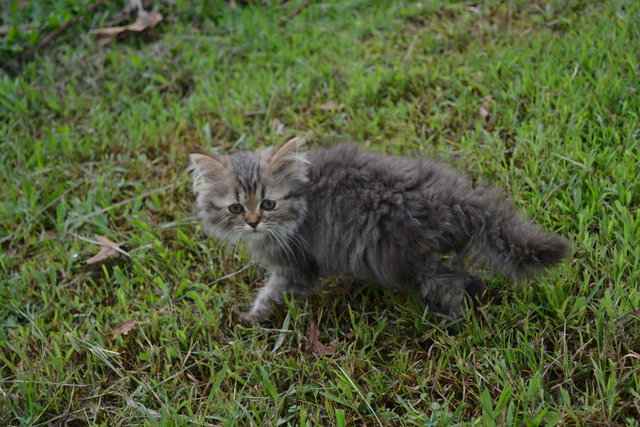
(249, 194)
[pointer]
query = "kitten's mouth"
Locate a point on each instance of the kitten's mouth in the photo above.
(253, 231)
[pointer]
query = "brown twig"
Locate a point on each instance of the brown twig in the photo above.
(293, 14)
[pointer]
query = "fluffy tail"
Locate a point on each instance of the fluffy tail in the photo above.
(504, 241)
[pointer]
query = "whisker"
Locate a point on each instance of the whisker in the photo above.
(295, 236)
(282, 244)
(296, 240)
(222, 249)
(231, 248)
(296, 244)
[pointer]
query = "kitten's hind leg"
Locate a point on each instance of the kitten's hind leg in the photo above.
(444, 289)
(272, 294)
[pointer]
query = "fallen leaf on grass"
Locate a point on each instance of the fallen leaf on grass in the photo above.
(278, 127)
(328, 106)
(194, 379)
(124, 328)
(203, 386)
(314, 346)
(483, 110)
(144, 23)
(108, 249)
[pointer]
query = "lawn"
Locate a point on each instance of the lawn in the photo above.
(539, 98)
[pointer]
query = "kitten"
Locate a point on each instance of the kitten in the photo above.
(394, 221)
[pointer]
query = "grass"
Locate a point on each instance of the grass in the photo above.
(94, 141)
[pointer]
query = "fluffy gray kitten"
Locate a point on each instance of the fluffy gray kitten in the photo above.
(394, 221)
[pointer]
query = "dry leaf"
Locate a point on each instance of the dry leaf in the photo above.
(193, 379)
(123, 328)
(144, 22)
(107, 32)
(277, 126)
(314, 346)
(203, 391)
(328, 106)
(483, 110)
(108, 249)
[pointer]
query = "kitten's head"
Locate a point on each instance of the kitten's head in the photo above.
(249, 194)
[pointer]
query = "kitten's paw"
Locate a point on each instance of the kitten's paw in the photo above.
(254, 317)
(248, 319)
(476, 288)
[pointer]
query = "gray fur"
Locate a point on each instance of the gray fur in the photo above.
(394, 221)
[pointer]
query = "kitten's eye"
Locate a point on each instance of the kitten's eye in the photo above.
(267, 204)
(236, 208)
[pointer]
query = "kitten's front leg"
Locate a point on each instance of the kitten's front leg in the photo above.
(444, 288)
(269, 295)
(272, 294)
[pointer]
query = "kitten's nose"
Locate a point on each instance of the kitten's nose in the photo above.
(253, 220)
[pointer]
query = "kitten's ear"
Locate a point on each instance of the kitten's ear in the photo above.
(206, 169)
(286, 158)
(289, 146)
